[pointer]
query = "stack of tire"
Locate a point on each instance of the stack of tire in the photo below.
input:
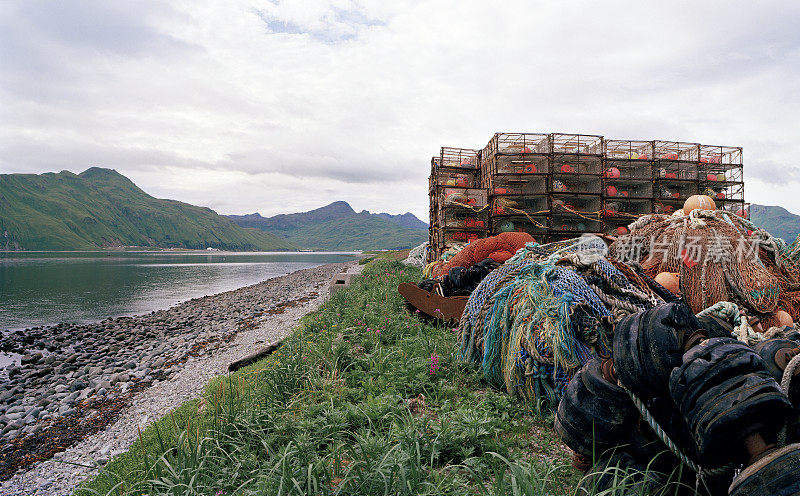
(716, 399)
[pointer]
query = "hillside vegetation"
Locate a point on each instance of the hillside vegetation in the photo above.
(338, 227)
(776, 220)
(101, 208)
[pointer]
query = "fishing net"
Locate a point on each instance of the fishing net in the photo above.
(545, 312)
(719, 257)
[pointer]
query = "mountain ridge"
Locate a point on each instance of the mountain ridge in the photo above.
(337, 226)
(776, 220)
(100, 208)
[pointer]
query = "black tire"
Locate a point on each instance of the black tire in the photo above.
(591, 424)
(792, 334)
(649, 345)
(767, 351)
(626, 354)
(716, 328)
(773, 475)
(725, 414)
(708, 364)
(662, 334)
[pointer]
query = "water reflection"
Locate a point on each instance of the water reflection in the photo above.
(38, 288)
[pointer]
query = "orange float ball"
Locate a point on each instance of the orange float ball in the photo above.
(670, 281)
(622, 230)
(783, 319)
(702, 202)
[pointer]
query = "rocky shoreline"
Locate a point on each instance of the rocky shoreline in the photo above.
(80, 378)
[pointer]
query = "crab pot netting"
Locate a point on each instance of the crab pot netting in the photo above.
(720, 257)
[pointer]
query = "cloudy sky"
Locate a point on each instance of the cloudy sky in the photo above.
(282, 106)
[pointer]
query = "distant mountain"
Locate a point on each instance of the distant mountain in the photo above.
(776, 220)
(407, 220)
(102, 208)
(338, 227)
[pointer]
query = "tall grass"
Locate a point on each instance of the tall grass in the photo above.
(363, 399)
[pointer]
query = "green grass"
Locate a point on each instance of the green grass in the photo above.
(331, 412)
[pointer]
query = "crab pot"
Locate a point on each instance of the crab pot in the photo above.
(524, 164)
(676, 151)
(721, 155)
(575, 184)
(462, 158)
(628, 151)
(675, 191)
(565, 204)
(518, 185)
(450, 237)
(518, 144)
(574, 224)
(576, 144)
(625, 209)
(520, 205)
(531, 224)
(456, 217)
(467, 197)
(627, 188)
(455, 178)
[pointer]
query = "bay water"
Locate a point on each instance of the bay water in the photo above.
(44, 288)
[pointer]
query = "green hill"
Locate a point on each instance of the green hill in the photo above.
(338, 227)
(776, 220)
(101, 208)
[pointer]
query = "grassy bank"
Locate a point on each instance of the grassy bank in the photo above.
(364, 398)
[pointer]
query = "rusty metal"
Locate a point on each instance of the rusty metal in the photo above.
(784, 356)
(433, 304)
(694, 339)
(756, 447)
(608, 370)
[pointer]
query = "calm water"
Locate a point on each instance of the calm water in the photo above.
(39, 288)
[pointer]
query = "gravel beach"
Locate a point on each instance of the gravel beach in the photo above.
(88, 387)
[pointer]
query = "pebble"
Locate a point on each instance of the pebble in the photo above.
(105, 359)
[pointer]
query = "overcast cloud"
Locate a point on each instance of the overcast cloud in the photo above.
(245, 106)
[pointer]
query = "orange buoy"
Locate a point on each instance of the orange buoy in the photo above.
(669, 280)
(702, 202)
(783, 319)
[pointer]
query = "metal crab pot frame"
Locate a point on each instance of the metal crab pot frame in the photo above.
(557, 185)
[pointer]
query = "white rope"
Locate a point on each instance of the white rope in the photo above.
(786, 383)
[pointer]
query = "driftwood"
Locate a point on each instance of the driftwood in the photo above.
(254, 357)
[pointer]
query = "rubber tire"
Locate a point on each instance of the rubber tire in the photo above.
(626, 357)
(773, 475)
(708, 364)
(716, 328)
(794, 336)
(663, 331)
(726, 413)
(648, 346)
(591, 424)
(767, 350)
